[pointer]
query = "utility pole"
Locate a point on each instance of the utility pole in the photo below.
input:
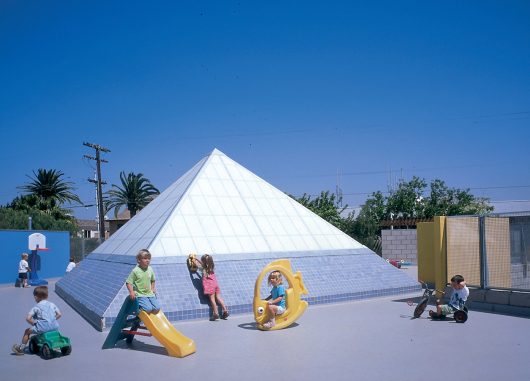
(98, 182)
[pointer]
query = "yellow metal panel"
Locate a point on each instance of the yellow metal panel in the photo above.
(440, 254)
(425, 232)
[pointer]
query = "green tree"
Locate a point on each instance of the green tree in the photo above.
(445, 201)
(49, 186)
(408, 200)
(365, 228)
(135, 193)
(18, 219)
(31, 203)
(326, 205)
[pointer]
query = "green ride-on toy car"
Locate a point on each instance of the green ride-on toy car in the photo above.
(48, 343)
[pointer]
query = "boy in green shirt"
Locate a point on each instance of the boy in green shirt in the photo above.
(141, 283)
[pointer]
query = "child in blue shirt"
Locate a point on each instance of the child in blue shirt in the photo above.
(42, 318)
(276, 300)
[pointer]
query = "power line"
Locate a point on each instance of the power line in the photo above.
(470, 188)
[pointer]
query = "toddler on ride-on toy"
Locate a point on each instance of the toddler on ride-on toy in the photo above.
(457, 301)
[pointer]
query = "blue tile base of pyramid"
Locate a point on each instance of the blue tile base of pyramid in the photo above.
(96, 287)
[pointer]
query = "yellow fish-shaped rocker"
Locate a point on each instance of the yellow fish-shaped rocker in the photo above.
(295, 306)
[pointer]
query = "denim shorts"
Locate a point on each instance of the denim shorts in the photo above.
(44, 326)
(148, 303)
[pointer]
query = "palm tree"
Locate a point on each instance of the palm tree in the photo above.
(135, 193)
(48, 186)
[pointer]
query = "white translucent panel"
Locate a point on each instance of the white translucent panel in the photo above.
(224, 226)
(270, 191)
(209, 226)
(218, 187)
(179, 227)
(255, 188)
(251, 225)
(299, 225)
(266, 207)
(157, 250)
(208, 172)
(261, 244)
(298, 243)
(215, 159)
(274, 243)
(240, 208)
(186, 244)
(235, 173)
(276, 207)
(322, 241)
(287, 206)
(277, 226)
(333, 242)
(185, 207)
(310, 243)
(171, 246)
(345, 243)
(264, 225)
(215, 207)
(167, 232)
(286, 225)
(233, 244)
(254, 207)
(311, 224)
(218, 245)
(205, 187)
(202, 244)
(247, 244)
(243, 189)
(237, 224)
(194, 225)
(330, 229)
(221, 171)
(200, 205)
(228, 207)
(230, 189)
(287, 242)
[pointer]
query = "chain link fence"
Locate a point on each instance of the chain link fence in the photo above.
(491, 252)
(81, 247)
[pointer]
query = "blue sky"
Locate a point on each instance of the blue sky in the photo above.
(294, 91)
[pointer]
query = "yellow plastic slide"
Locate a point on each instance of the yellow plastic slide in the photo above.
(176, 343)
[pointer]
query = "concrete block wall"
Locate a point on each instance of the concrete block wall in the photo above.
(400, 244)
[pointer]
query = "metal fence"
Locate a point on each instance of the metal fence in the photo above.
(81, 247)
(491, 252)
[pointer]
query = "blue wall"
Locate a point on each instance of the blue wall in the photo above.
(15, 242)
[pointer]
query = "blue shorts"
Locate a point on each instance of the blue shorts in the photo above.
(42, 327)
(148, 303)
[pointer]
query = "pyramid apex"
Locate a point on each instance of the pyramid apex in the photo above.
(217, 152)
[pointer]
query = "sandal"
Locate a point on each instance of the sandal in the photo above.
(214, 317)
(225, 315)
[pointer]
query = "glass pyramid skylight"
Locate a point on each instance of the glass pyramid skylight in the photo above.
(220, 207)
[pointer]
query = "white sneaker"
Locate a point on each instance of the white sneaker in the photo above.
(17, 349)
(269, 324)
